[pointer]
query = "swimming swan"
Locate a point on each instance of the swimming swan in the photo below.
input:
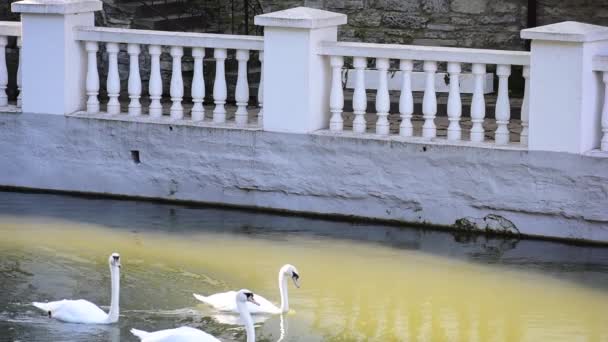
(83, 311)
(224, 301)
(187, 334)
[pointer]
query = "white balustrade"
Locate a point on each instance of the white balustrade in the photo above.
(382, 97)
(177, 84)
(452, 80)
(359, 96)
(19, 79)
(198, 85)
(3, 72)
(155, 87)
(336, 97)
(406, 99)
(261, 90)
(8, 29)
(241, 94)
(454, 102)
(525, 107)
(135, 40)
(604, 121)
(220, 92)
(113, 81)
(134, 83)
(503, 107)
(478, 106)
(429, 101)
(92, 81)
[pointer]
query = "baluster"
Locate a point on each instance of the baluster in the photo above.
(219, 86)
(113, 81)
(382, 97)
(503, 107)
(19, 94)
(92, 81)
(261, 91)
(198, 85)
(454, 102)
(429, 101)
(478, 106)
(155, 87)
(3, 72)
(336, 97)
(359, 96)
(241, 94)
(134, 84)
(177, 84)
(406, 99)
(604, 145)
(525, 110)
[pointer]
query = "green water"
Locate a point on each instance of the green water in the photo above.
(359, 282)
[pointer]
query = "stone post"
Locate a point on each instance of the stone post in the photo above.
(565, 93)
(297, 79)
(53, 63)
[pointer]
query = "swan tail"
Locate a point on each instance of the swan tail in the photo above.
(42, 306)
(139, 333)
(201, 298)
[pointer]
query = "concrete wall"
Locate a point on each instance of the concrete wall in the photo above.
(536, 193)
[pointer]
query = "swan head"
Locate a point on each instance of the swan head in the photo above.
(114, 260)
(245, 295)
(291, 272)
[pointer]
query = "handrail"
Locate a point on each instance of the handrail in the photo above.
(10, 28)
(169, 38)
(424, 53)
(600, 63)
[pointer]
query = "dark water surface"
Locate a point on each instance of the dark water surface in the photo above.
(360, 282)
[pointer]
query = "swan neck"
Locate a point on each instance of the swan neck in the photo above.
(115, 295)
(284, 292)
(247, 320)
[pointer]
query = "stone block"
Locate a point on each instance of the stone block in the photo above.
(469, 6)
(500, 6)
(365, 18)
(344, 4)
(435, 42)
(398, 5)
(403, 20)
(436, 6)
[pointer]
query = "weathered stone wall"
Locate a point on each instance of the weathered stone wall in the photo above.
(588, 11)
(536, 193)
(464, 23)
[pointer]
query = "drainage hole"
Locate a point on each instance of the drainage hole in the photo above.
(135, 156)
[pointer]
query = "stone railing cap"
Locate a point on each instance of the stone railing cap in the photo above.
(301, 17)
(56, 6)
(567, 31)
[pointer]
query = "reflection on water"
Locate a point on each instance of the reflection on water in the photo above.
(359, 282)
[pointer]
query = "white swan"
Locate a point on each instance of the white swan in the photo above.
(83, 311)
(223, 301)
(187, 334)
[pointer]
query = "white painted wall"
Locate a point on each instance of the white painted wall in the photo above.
(540, 193)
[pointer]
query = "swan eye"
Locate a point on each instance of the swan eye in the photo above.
(249, 295)
(116, 257)
(295, 275)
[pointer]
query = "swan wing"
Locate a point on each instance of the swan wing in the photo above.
(181, 334)
(266, 306)
(74, 311)
(225, 301)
